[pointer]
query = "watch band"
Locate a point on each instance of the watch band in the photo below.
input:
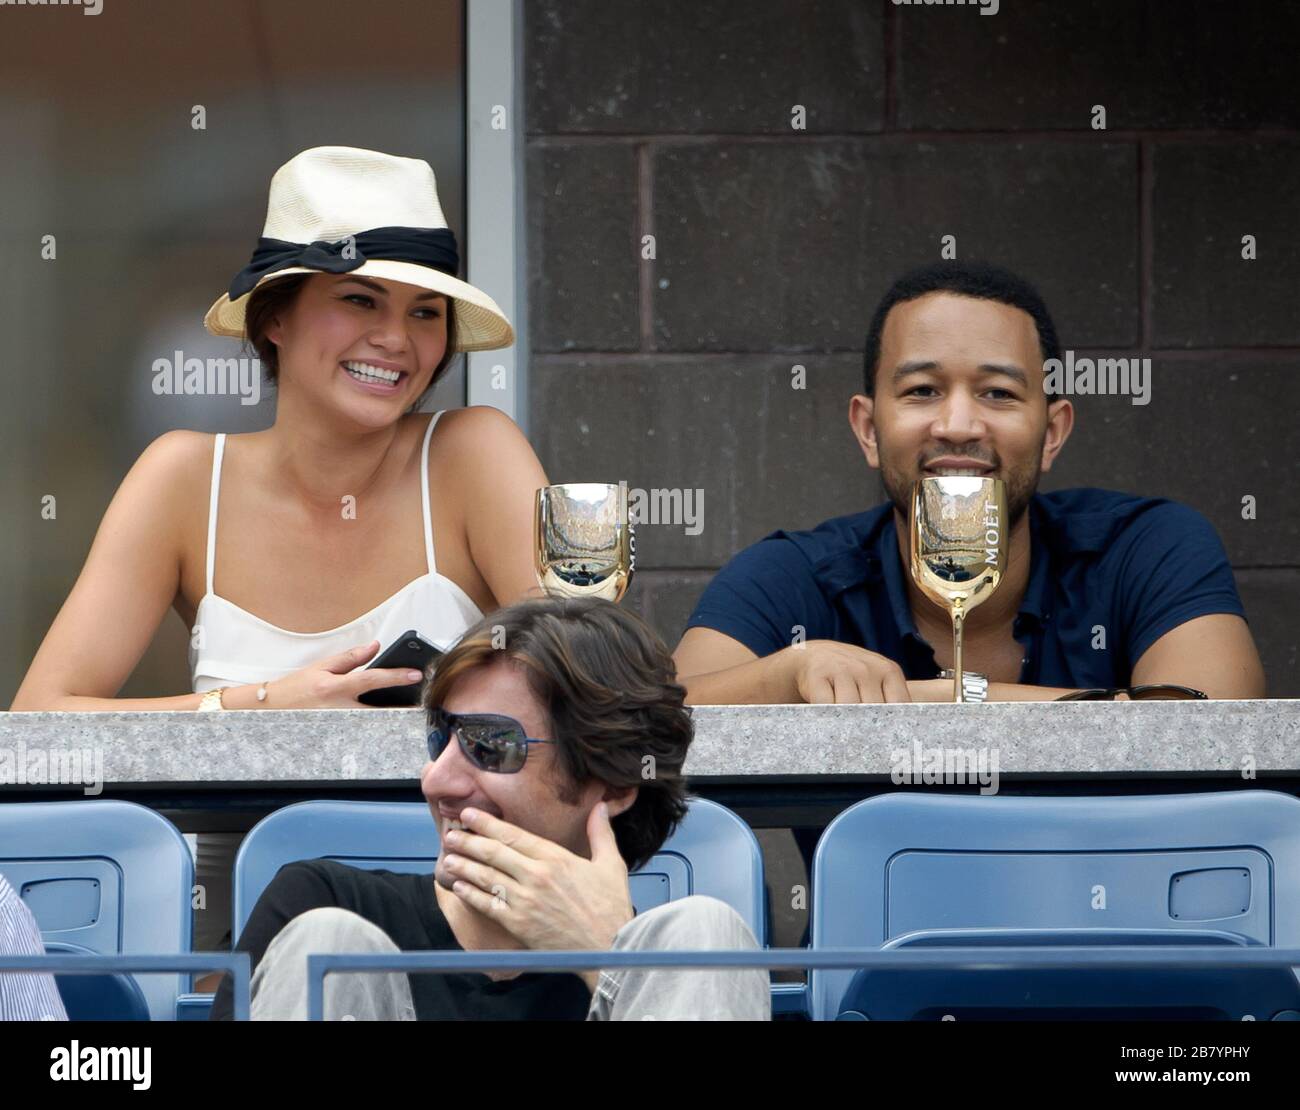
(974, 686)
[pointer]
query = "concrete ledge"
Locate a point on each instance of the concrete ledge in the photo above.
(1031, 738)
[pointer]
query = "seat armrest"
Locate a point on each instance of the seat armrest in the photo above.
(789, 998)
(194, 1007)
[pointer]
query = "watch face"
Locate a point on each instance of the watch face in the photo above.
(210, 701)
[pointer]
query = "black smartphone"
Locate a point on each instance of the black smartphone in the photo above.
(412, 650)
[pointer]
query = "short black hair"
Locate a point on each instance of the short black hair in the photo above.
(967, 279)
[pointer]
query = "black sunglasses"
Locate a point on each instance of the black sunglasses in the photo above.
(1157, 692)
(490, 741)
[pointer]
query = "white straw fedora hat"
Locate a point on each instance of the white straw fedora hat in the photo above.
(338, 209)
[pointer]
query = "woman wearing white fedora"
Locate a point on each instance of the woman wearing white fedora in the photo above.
(296, 553)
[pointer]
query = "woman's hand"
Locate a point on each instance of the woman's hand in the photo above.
(328, 685)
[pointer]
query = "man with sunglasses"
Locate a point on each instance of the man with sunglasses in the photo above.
(555, 767)
(1104, 591)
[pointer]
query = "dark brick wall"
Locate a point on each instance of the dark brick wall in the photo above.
(672, 118)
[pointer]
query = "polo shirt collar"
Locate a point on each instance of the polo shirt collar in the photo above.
(894, 575)
(1056, 540)
(1037, 602)
(919, 651)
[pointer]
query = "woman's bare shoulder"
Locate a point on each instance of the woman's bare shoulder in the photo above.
(168, 482)
(176, 457)
(474, 424)
(481, 444)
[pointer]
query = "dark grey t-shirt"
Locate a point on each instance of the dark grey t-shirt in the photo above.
(405, 907)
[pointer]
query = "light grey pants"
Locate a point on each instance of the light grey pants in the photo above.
(279, 986)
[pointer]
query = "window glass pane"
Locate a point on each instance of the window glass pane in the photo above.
(151, 217)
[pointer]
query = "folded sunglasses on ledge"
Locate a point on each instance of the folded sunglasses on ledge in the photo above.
(1157, 692)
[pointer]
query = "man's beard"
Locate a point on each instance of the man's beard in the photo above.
(1020, 484)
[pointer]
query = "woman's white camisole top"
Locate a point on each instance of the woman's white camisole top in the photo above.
(229, 646)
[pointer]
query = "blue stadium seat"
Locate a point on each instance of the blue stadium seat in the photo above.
(114, 996)
(905, 870)
(712, 852)
(105, 877)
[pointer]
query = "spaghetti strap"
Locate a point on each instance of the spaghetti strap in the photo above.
(424, 495)
(239, 647)
(217, 451)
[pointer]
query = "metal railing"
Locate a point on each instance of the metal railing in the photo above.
(236, 963)
(1118, 957)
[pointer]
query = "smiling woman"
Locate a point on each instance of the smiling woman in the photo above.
(352, 303)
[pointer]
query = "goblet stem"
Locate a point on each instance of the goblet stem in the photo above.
(958, 620)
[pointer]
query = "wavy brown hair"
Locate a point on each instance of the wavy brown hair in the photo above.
(610, 691)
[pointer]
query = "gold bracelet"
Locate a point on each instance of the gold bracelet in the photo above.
(211, 701)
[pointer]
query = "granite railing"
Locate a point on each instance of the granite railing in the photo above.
(1222, 739)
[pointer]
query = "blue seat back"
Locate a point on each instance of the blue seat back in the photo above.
(114, 996)
(909, 869)
(712, 852)
(110, 877)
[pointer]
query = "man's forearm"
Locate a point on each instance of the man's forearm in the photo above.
(940, 690)
(770, 681)
(1014, 691)
(765, 681)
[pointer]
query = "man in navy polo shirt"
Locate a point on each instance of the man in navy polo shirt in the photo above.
(1103, 589)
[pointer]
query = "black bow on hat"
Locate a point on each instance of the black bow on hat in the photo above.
(434, 247)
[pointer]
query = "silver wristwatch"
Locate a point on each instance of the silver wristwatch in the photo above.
(974, 686)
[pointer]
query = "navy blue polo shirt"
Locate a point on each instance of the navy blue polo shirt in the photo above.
(1106, 569)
